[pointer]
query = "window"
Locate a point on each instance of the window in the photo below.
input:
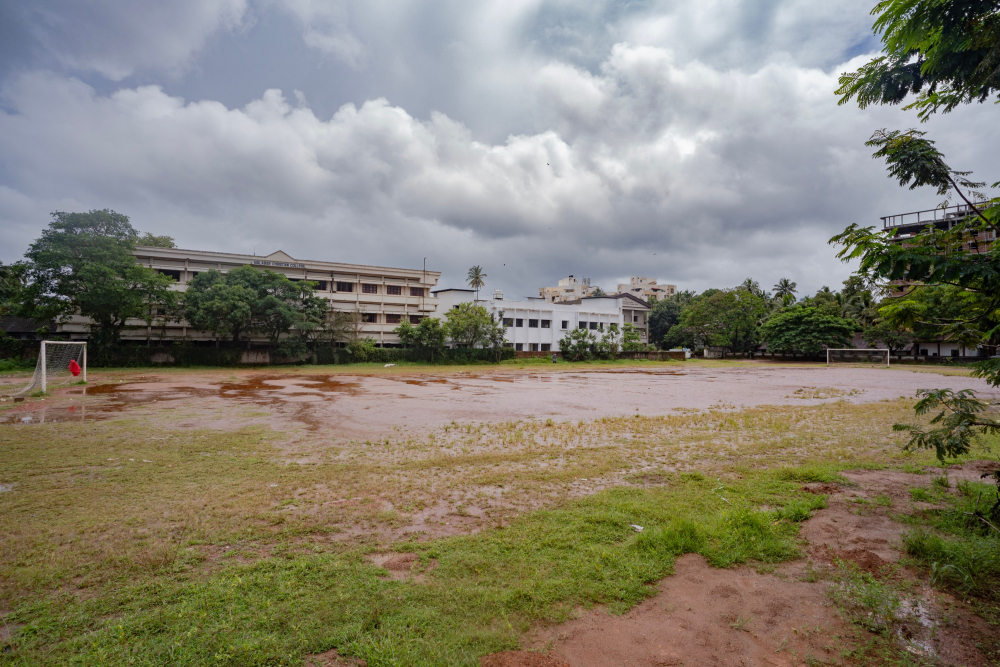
(416, 291)
(509, 345)
(322, 285)
(519, 347)
(532, 324)
(391, 318)
(546, 347)
(547, 324)
(601, 326)
(635, 318)
(565, 324)
(593, 325)
(393, 289)
(368, 288)
(923, 351)
(176, 275)
(508, 321)
(534, 347)
(518, 322)
(370, 318)
(345, 287)
(415, 319)
(954, 353)
(583, 325)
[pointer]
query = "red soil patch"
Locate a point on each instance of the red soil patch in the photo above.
(520, 659)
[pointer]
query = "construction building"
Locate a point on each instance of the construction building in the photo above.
(646, 288)
(569, 288)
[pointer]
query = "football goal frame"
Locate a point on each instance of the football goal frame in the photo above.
(59, 362)
(43, 360)
(858, 349)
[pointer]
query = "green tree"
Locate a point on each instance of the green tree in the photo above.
(945, 52)
(882, 332)
(83, 264)
(468, 325)
(609, 346)
(598, 292)
(806, 330)
(247, 300)
(13, 287)
(578, 345)
(727, 318)
(152, 241)
(783, 288)
(427, 338)
(496, 336)
(631, 339)
(475, 278)
(662, 317)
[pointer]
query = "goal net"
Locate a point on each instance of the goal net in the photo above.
(857, 356)
(59, 362)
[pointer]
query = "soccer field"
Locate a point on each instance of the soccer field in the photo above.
(408, 515)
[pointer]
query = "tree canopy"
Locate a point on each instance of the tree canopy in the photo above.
(806, 330)
(943, 52)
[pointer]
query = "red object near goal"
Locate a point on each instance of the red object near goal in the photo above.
(74, 367)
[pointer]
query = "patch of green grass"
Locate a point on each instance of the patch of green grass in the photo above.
(485, 590)
(812, 474)
(921, 495)
(864, 599)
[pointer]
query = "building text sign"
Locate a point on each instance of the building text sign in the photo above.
(264, 262)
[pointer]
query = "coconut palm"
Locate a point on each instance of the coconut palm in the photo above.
(475, 279)
(784, 287)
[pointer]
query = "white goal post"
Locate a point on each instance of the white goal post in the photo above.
(59, 362)
(864, 353)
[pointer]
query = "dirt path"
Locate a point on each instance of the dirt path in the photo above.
(741, 617)
(369, 406)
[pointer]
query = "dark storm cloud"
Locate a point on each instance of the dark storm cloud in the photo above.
(698, 143)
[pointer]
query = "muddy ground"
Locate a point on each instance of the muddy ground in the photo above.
(786, 617)
(344, 406)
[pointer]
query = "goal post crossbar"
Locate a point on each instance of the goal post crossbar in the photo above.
(857, 349)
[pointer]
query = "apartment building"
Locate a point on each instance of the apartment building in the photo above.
(646, 288)
(537, 325)
(568, 289)
(384, 296)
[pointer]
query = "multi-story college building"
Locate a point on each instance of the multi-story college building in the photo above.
(385, 297)
(908, 225)
(537, 325)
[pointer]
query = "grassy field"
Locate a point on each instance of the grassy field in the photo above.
(122, 543)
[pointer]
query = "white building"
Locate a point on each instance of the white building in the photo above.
(536, 325)
(383, 296)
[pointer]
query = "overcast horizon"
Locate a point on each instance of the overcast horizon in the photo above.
(695, 143)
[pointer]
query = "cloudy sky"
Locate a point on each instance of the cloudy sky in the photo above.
(695, 142)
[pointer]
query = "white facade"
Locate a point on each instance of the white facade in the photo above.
(537, 325)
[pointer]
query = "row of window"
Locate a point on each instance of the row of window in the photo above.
(372, 288)
(324, 285)
(533, 347)
(532, 324)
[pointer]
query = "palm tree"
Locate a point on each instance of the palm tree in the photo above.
(784, 286)
(475, 278)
